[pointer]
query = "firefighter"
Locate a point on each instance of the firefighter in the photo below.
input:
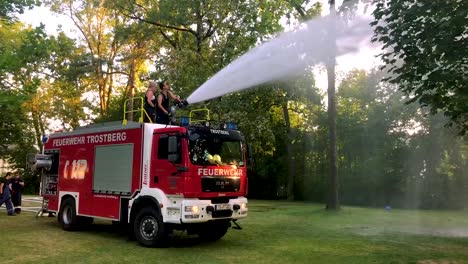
(150, 103)
(17, 185)
(5, 196)
(162, 109)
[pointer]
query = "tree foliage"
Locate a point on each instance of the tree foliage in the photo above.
(33, 84)
(425, 45)
(98, 27)
(395, 154)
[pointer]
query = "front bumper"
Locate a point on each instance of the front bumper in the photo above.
(199, 211)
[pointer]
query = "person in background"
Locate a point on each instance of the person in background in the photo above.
(162, 109)
(17, 185)
(5, 196)
(150, 103)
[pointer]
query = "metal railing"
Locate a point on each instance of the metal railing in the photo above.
(140, 110)
(196, 113)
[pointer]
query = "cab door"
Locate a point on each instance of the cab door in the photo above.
(166, 173)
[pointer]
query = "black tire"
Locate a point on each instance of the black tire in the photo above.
(214, 231)
(67, 215)
(149, 229)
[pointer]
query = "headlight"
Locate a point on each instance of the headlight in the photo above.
(192, 209)
(243, 206)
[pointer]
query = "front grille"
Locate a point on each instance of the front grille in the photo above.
(220, 184)
(221, 213)
(220, 200)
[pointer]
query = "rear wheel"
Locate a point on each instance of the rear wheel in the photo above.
(149, 229)
(213, 231)
(67, 215)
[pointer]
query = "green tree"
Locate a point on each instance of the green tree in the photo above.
(22, 64)
(371, 139)
(299, 10)
(438, 159)
(139, 41)
(424, 42)
(395, 154)
(280, 147)
(344, 11)
(38, 81)
(97, 24)
(62, 91)
(21, 54)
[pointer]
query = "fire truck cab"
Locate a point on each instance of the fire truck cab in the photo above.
(153, 178)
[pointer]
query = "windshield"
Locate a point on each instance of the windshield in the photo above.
(214, 150)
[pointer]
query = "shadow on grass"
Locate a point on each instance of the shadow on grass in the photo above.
(178, 239)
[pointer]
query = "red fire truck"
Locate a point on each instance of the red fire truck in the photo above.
(153, 177)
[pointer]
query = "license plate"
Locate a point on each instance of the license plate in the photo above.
(223, 206)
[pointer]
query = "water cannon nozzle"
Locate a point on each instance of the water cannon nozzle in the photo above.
(182, 104)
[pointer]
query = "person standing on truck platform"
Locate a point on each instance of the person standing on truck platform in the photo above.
(17, 185)
(162, 109)
(5, 196)
(150, 103)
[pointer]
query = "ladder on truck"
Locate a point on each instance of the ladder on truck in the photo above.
(44, 206)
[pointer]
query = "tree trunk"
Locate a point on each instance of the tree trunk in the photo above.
(131, 85)
(37, 127)
(289, 154)
(332, 201)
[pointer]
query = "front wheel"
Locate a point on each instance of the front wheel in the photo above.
(149, 228)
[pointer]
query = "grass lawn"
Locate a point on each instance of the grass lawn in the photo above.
(274, 232)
